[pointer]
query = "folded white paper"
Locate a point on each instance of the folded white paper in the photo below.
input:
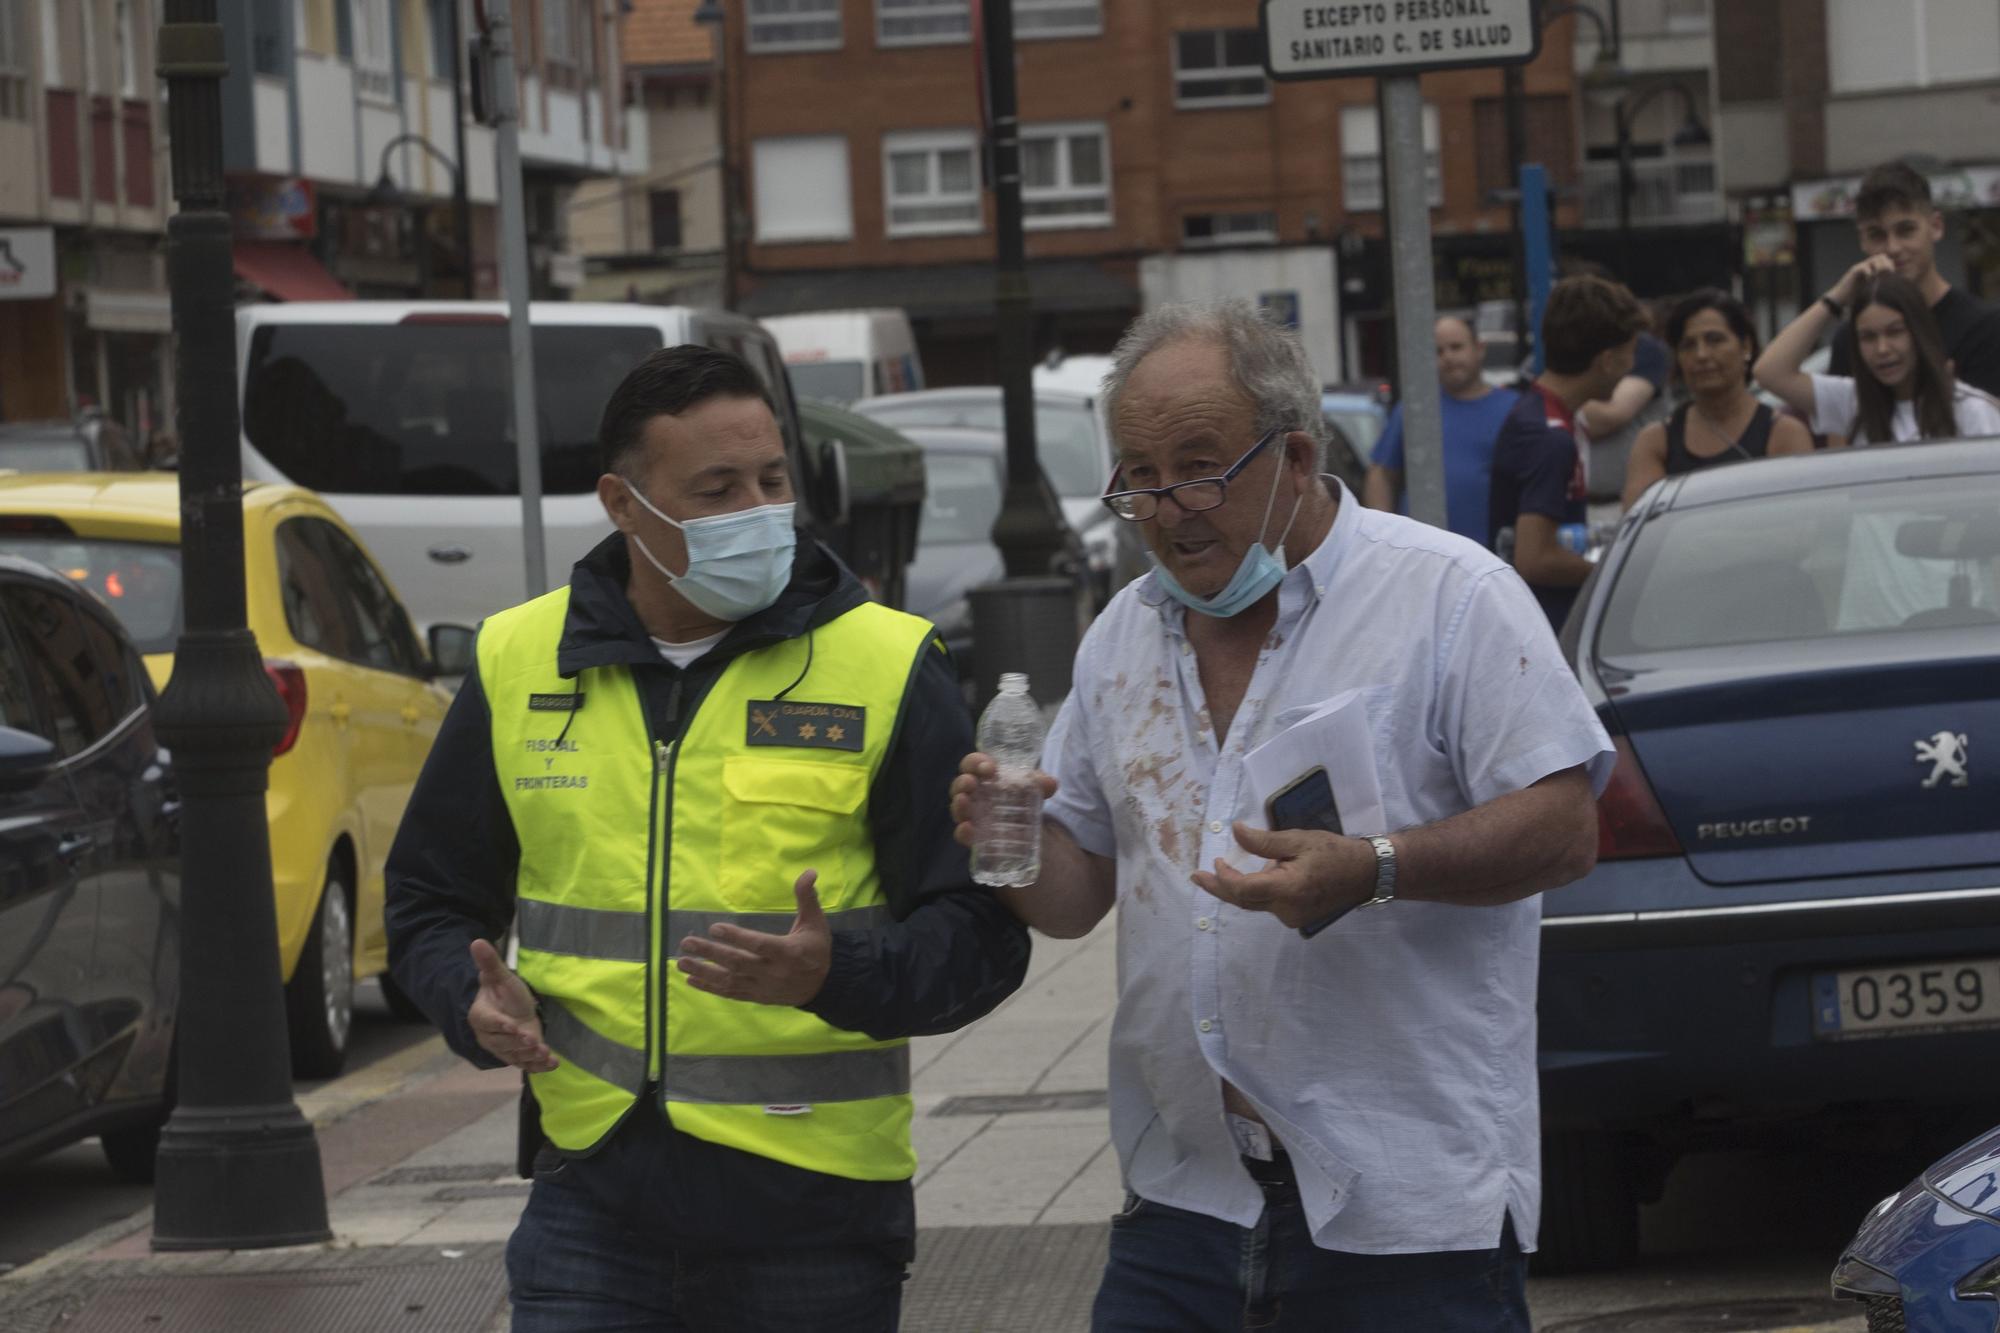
(1334, 735)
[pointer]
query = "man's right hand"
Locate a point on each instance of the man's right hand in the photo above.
(503, 1018)
(974, 772)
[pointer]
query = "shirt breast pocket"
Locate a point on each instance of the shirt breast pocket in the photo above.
(784, 816)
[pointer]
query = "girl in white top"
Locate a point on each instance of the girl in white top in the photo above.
(1906, 391)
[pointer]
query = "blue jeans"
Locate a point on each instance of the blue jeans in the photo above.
(1173, 1271)
(575, 1267)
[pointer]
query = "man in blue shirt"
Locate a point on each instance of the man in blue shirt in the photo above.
(1473, 411)
(1588, 334)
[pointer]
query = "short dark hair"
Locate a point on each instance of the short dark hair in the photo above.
(1585, 318)
(667, 383)
(1892, 185)
(1722, 303)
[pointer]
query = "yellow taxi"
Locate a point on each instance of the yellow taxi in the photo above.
(358, 687)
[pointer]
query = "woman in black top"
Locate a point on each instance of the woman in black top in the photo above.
(1714, 344)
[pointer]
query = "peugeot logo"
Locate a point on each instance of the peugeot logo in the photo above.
(1945, 752)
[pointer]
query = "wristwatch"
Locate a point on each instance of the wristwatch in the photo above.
(1833, 307)
(1385, 871)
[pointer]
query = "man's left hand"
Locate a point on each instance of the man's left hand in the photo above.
(751, 965)
(1312, 874)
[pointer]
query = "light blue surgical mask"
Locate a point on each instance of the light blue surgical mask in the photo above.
(737, 563)
(1262, 568)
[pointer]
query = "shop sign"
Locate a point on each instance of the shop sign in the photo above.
(27, 263)
(1307, 40)
(1951, 187)
(273, 210)
(1769, 238)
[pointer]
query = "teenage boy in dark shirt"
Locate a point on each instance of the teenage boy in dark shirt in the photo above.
(1588, 336)
(1894, 215)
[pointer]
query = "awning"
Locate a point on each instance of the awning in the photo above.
(284, 271)
(943, 291)
(111, 311)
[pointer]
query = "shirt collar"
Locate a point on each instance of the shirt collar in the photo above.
(1308, 578)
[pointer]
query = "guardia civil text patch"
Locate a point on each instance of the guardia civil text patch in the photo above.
(798, 723)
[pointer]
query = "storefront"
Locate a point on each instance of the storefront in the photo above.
(1969, 255)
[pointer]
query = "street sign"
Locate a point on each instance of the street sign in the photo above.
(27, 263)
(1308, 40)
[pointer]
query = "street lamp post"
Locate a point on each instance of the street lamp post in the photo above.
(238, 1165)
(1690, 135)
(386, 192)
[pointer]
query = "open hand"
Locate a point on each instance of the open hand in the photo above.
(753, 965)
(975, 771)
(1312, 874)
(503, 1017)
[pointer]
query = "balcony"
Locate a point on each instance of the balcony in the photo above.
(1665, 192)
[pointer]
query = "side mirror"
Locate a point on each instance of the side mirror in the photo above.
(25, 758)
(452, 652)
(831, 497)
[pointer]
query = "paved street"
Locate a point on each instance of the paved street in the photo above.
(1017, 1178)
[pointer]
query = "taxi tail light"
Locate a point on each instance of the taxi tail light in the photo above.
(290, 682)
(1630, 822)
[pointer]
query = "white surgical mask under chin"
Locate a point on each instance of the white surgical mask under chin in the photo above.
(738, 563)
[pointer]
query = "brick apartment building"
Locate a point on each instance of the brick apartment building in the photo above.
(1158, 161)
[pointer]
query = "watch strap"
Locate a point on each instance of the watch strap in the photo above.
(1833, 307)
(1385, 870)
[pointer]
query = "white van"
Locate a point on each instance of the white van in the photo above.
(400, 413)
(840, 356)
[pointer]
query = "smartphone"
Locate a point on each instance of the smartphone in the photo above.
(1307, 803)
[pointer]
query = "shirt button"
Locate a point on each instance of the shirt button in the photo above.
(1215, 826)
(1203, 923)
(1205, 1025)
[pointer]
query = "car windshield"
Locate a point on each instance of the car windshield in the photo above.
(1903, 555)
(424, 409)
(961, 498)
(139, 581)
(829, 381)
(1074, 459)
(43, 453)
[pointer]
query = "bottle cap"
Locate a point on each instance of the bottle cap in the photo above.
(1013, 682)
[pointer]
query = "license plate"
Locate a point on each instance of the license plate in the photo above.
(1905, 999)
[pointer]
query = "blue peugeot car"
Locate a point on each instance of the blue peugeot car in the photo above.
(1795, 917)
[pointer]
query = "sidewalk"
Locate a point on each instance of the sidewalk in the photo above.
(1016, 1179)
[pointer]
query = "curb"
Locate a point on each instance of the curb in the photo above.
(321, 1107)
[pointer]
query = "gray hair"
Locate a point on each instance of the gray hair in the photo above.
(1267, 362)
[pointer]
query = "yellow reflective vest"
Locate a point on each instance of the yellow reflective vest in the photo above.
(630, 843)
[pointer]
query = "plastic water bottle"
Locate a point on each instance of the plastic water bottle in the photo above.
(1008, 850)
(1574, 537)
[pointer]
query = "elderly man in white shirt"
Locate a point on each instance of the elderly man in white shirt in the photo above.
(1341, 1130)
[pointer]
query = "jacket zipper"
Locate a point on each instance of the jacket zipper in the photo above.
(665, 756)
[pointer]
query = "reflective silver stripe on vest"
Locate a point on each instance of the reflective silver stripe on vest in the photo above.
(681, 924)
(788, 1080)
(577, 1043)
(582, 932)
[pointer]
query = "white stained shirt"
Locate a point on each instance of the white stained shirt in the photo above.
(1837, 411)
(1393, 1054)
(684, 655)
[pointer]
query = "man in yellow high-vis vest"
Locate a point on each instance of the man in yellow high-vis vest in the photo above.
(705, 782)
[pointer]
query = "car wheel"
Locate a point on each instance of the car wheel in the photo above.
(319, 1000)
(1590, 1207)
(401, 1005)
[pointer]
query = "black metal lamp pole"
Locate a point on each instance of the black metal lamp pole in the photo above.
(461, 202)
(238, 1164)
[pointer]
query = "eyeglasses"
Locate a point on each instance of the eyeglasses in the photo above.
(1136, 506)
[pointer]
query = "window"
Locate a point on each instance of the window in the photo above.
(123, 674)
(14, 59)
(1220, 67)
(1361, 158)
(922, 22)
(130, 35)
(267, 40)
(444, 57)
(374, 50)
(663, 214)
(379, 633)
(395, 409)
(17, 697)
(77, 700)
(794, 25)
(343, 28)
(1057, 18)
(559, 47)
(310, 591)
(801, 188)
(1065, 176)
(139, 581)
(1686, 16)
(1207, 229)
(1551, 141)
(932, 183)
(961, 498)
(1872, 46)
